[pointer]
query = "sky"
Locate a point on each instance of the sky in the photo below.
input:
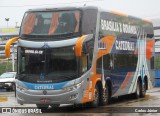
(15, 9)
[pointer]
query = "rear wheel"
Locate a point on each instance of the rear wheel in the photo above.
(138, 89)
(143, 89)
(104, 96)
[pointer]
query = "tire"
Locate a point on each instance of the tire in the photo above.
(15, 94)
(43, 107)
(13, 87)
(143, 89)
(136, 95)
(95, 101)
(104, 96)
(55, 105)
(8, 89)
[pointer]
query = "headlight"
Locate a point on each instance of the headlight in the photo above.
(74, 87)
(22, 88)
(9, 84)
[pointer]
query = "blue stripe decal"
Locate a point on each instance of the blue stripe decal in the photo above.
(54, 86)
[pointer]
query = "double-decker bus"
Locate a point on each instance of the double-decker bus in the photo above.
(77, 55)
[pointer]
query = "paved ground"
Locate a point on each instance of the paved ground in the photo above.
(121, 106)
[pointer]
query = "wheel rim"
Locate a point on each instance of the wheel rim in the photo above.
(105, 95)
(96, 97)
(144, 88)
(138, 89)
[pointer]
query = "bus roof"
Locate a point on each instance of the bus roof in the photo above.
(85, 8)
(62, 8)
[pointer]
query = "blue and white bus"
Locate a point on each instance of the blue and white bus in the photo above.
(77, 55)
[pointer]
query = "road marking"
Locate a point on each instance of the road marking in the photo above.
(3, 99)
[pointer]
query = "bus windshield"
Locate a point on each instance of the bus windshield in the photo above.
(47, 23)
(47, 65)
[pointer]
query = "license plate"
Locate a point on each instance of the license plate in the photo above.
(44, 100)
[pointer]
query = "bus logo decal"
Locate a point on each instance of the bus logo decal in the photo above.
(44, 92)
(42, 76)
(45, 45)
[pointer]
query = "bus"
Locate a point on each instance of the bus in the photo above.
(77, 55)
(157, 60)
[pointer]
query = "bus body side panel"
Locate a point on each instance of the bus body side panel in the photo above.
(120, 64)
(129, 53)
(95, 77)
(126, 56)
(150, 53)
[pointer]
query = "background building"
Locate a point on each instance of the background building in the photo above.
(156, 24)
(5, 35)
(8, 64)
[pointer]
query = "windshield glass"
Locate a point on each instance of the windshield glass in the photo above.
(7, 75)
(47, 65)
(50, 23)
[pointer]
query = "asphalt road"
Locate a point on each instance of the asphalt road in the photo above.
(122, 106)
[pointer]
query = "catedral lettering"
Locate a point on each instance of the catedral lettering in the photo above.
(41, 87)
(124, 45)
(64, 58)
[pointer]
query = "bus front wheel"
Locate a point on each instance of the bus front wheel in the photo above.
(43, 107)
(95, 101)
(55, 105)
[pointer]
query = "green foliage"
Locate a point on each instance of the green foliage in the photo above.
(6, 67)
(157, 63)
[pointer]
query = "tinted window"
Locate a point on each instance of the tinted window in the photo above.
(89, 21)
(54, 65)
(38, 24)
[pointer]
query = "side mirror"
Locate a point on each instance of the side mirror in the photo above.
(84, 49)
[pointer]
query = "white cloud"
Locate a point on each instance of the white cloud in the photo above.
(14, 9)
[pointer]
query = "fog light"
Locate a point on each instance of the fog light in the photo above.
(74, 96)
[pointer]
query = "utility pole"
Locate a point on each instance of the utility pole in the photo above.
(16, 25)
(7, 19)
(13, 54)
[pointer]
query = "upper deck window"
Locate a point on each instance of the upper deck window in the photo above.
(50, 23)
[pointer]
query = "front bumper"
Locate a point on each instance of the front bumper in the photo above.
(50, 97)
